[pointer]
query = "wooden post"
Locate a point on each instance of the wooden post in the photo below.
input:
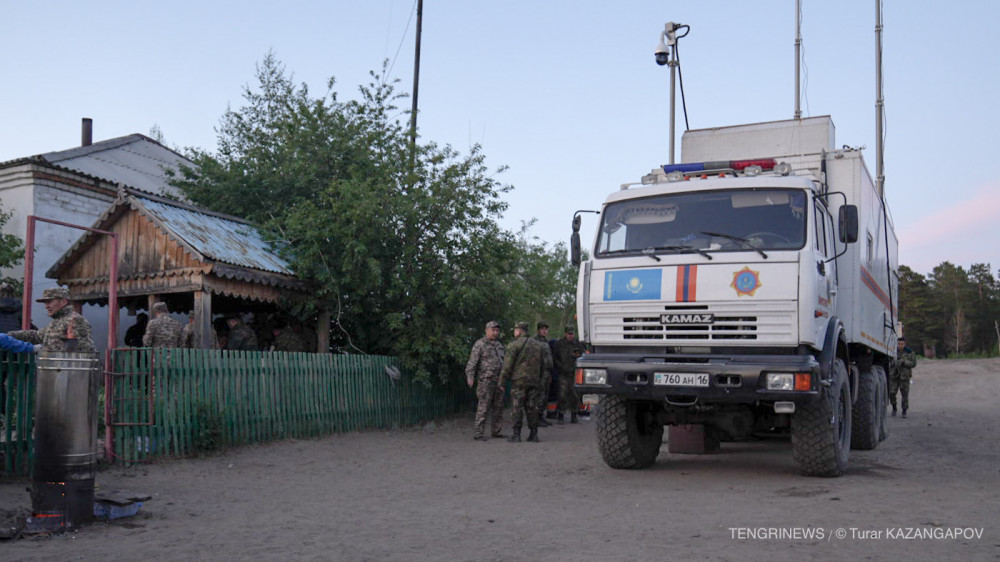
(150, 301)
(203, 319)
(323, 332)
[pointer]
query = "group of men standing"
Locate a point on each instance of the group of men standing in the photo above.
(528, 363)
(70, 331)
(166, 331)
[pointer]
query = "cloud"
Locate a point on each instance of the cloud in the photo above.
(961, 218)
(963, 233)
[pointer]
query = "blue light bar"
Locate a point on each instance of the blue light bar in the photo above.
(691, 167)
(738, 165)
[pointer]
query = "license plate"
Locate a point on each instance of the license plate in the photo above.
(680, 379)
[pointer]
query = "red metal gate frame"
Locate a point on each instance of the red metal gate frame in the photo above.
(29, 267)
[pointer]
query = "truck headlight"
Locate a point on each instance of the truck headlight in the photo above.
(789, 381)
(780, 381)
(592, 376)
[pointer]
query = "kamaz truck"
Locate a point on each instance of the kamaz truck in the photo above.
(750, 289)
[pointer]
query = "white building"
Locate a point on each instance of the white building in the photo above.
(76, 186)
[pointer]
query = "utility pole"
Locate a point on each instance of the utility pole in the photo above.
(416, 87)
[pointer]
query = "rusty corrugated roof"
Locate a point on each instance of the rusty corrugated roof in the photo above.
(218, 238)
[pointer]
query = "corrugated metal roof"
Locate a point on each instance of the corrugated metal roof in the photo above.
(218, 238)
(133, 160)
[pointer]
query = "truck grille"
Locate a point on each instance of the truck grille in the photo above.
(771, 322)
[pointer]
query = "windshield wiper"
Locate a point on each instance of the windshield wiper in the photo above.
(649, 252)
(681, 249)
(739, 239)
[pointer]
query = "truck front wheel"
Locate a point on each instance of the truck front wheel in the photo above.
(821, 430)
(628, 433)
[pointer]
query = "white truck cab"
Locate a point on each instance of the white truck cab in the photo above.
(749, 288)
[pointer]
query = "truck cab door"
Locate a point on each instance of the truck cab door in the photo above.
(826, 278)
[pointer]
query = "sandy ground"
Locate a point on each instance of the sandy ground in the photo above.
(432, 493)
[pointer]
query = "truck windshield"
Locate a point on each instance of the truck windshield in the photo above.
(705, 221)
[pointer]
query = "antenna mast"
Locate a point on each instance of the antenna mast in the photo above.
(879, 103)
(798, 57)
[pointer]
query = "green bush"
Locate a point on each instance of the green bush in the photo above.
(208, 429)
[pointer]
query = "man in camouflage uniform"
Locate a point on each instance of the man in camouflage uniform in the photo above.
(483, 368)
(241, 337)
(187, 335)
(163, 330)
(900, 375)
(567, 350)
(524, 362)
(68, 331)
(290, 339)
(546, 382)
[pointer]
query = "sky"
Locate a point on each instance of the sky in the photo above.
(564, 94)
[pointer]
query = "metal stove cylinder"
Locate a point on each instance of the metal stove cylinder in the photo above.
(65, 437)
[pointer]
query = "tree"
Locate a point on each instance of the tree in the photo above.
(959, 332)
(11, 248)
(952, 306)
(543, 282)
(982, 316)
(408, 257)
(919, 311)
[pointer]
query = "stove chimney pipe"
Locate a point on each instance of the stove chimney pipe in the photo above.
(87, 132)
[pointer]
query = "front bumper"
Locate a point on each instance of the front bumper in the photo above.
(732, 379)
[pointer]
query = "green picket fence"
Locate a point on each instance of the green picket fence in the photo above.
(176, 402)
(17, 405)
(179, 402)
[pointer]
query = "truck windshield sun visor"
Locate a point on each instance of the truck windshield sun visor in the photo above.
(737, 220)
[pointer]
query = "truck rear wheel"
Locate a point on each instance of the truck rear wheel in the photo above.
(882, 402)
(628, 434)
(821, 430)
(865, 420)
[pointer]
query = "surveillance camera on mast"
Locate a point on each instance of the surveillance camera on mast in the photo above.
(668, 38)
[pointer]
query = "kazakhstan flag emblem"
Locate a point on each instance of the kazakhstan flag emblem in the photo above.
(633, 285)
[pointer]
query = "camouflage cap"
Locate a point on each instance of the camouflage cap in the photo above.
(160, 307)
(541, 325)
(570, 329)
(492, 324)
(54, 293)
(522, 326)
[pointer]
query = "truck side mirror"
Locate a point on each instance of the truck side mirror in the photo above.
(848, 224)
(574, 242)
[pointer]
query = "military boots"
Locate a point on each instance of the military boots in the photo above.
(533, 436)
(515, 436)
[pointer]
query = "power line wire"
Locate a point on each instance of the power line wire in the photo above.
(401, 39)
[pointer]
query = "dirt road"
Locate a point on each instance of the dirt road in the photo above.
(433, 493)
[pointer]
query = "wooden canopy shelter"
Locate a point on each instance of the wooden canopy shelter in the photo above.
(192, 258)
